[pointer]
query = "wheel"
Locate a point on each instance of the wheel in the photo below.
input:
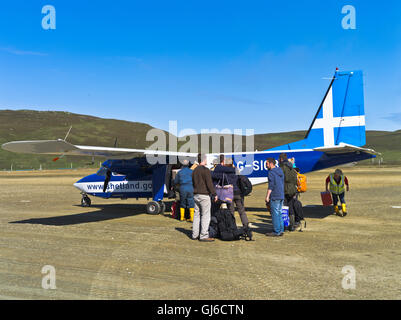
(162, 207)
(153, 207)
(85, 201)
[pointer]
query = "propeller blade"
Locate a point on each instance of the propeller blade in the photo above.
(106, 180)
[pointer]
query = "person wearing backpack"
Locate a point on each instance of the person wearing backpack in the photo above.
(226, 170)
(290, 190)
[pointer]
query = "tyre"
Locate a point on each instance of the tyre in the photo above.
(153, 207)
(162, 207)
(86, 201)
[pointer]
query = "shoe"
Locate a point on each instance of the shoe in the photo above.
(281, 234)
(191, 214)
(182, 214)
(337, 211)
(344, 208)
(207, 240)
(194, 238)
(272, 234)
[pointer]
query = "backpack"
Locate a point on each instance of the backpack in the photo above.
(301, 183)
(223, 226)
(290, 180)
(244, 185)
(227, 227)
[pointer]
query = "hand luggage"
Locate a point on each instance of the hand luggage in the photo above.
(326, 198)
(286, 218)
(175, 208)
(225, 192)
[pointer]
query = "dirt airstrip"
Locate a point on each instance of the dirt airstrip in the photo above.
(114, 250)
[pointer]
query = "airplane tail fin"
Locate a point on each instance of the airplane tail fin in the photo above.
(340, 117)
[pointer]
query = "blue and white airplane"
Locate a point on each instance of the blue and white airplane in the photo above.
(336, 136)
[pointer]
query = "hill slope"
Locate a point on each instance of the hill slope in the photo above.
(89, 130)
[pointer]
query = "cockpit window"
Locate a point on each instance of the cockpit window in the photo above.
(102, 171)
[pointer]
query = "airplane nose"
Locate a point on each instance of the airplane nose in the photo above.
(78, 186)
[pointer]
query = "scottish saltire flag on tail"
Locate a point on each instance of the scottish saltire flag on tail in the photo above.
(340, 118)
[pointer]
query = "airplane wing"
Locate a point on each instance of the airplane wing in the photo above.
(62, 147)
(345, 148)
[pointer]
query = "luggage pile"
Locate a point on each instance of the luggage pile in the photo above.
(224, 227)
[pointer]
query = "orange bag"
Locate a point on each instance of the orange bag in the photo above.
(301, 183)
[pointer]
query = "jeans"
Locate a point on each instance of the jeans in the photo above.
(276, 207)
(336, 196)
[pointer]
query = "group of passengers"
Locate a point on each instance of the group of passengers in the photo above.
(198, 193)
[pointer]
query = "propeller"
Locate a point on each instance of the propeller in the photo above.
(106, 180)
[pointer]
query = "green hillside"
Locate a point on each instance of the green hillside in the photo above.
(88, 130)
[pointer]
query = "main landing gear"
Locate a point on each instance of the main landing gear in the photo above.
(155, 207)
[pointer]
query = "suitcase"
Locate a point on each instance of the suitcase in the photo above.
(175, 207)
(326, 198)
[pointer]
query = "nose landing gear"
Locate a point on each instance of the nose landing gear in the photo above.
(85, 201)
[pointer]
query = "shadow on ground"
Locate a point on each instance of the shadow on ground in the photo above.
(187, 232)
(105, 212)
(317, 211)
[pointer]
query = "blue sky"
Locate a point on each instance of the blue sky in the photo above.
(207, 64)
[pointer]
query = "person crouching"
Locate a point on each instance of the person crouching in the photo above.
(338, 183)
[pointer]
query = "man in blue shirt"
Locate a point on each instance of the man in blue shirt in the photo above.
(184, 179)
(275, 195)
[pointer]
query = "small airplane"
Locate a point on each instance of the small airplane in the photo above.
(335, 137)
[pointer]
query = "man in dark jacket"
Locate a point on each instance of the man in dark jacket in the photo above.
(290, 187)
(226, 169)
(275, 196)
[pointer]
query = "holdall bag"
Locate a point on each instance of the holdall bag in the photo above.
(326, 198)
(226, 225)
(224, 192)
